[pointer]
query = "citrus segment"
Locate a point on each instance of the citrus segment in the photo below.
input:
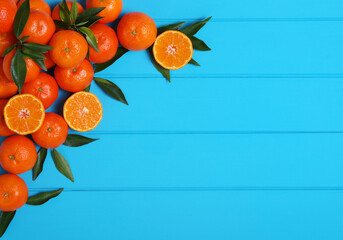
(82, 111)
(24, 114)
(173, 50)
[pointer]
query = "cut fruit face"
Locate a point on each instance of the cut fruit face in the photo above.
(82, 111)
(173, 50)
(24, 114)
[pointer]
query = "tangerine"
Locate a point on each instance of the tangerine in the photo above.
(13, 192)
(32, 68)
(75, 79)
(40, 5)
(70, 48)
(112, 9)
(107, 43)
(136, 31)
(39, 27)
(4, 130)
(53, 132)
(44, 87)
(24, 114)
(8, 11)
(18, 154)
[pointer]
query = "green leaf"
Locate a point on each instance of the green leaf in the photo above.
(43, 197)
(193, 62)
(87, 89)
(75, 140)
(23, 39)
(111, 89)
(21, 18)
(102, 66)
(41, 64)
(28, 53)
(90, 37)
(88, 13)
(195, 27)
(199, 44)
(73, 11)
(38, 168)
(9, 49)
(175, 26)
(18, 69)
(62, 25)
(38, 47)
(64, 14)
(89, 22)
(163, 71)
(5, 220)
(62, 165)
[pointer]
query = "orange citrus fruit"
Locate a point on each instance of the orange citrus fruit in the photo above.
(39, 27)
(48, 61)
(53, 132)
(6, 40)
(136, 31)
(75, 79)
(13, 192)
(82, 111)
(70, 48)
(7, 87)
(4, 130)
(8, 11)
(111, 11)
(173, 50)
(44, 87)
(32, 68)
(56, 11)
(40, 5)
(18, 154)
(107, 43)
(24, 114)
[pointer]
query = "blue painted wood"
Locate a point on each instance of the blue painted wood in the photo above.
(292, 48)
(223, 105)
(191, 159)
(205, 160)
(242, 215)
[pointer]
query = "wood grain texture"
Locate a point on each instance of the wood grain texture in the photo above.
(246, 147)
(242, 215)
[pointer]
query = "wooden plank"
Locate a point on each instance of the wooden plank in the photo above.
(289, 48)
(192, 161)
(223, 105)
(234, 9)
(267, 215)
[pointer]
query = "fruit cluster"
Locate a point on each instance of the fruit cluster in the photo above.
(44, 51)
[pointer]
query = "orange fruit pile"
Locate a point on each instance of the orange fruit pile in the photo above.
(71, 53)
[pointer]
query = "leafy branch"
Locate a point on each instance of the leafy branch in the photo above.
(24, 50)
(79, 23)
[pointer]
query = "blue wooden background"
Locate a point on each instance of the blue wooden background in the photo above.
(248, 146)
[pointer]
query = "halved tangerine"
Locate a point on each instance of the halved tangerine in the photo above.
(173, 50)
(24, 114)
(82, 111)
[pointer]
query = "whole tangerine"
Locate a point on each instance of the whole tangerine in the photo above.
(18, 154)
(75, 79)
(44, 87)
(13, 192)
(107, 43)
(136, 31)
(69, 48)
(53, 132)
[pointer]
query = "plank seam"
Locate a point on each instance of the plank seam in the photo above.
(116, 76)
(210, 132)
(191, 189)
